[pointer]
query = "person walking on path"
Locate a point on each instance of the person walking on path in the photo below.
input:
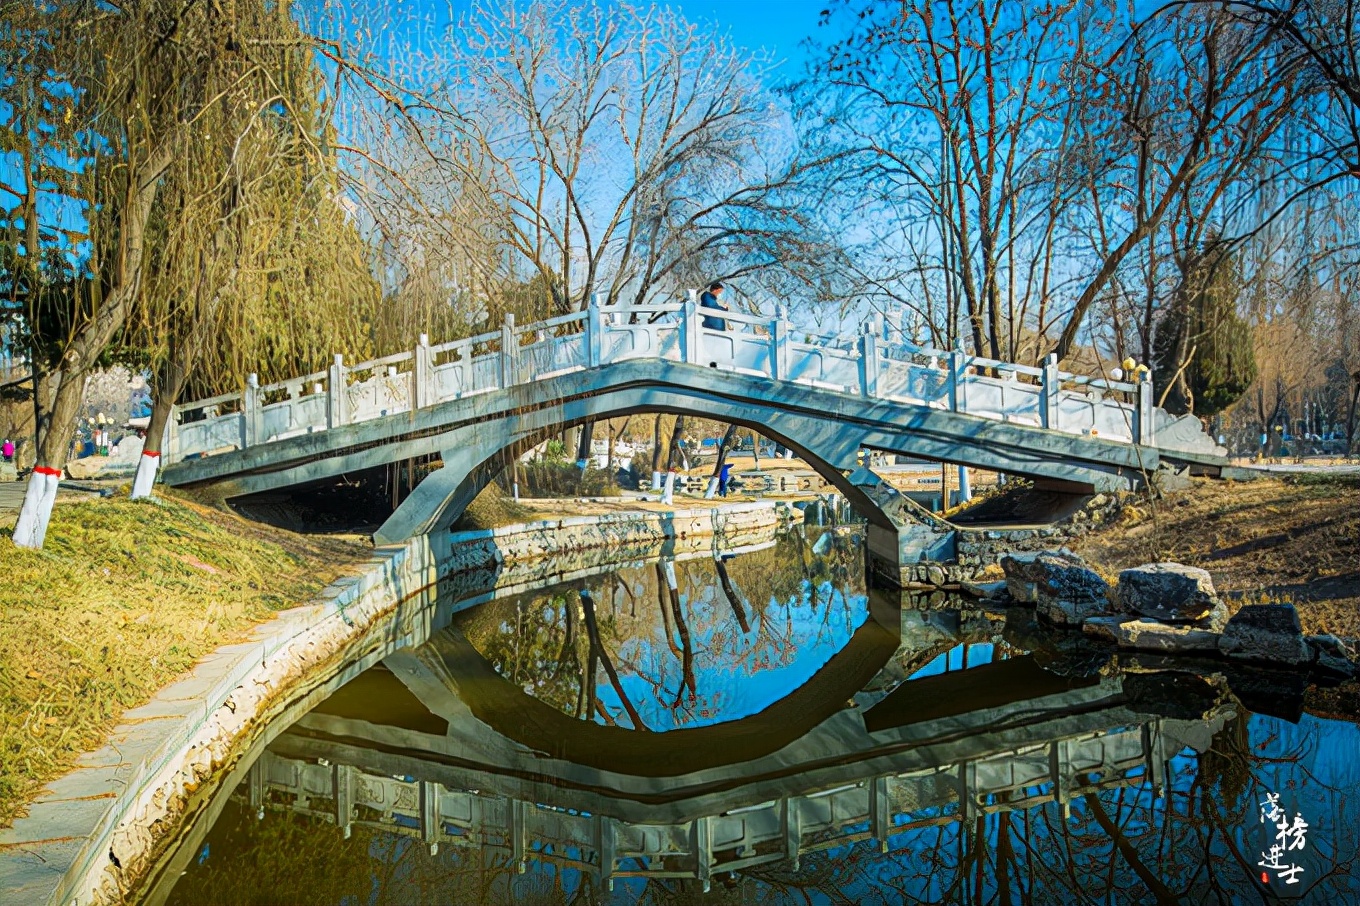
(723, 478)
(710, 299)
(7, 450)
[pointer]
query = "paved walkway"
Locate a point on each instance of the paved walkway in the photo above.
(12, 496)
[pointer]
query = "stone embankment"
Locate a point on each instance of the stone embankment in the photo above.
(1165, 609)
(94, 834)
(979, 550)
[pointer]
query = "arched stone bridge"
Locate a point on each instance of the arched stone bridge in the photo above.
(475, 400)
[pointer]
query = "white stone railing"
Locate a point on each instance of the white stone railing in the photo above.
(866, 364)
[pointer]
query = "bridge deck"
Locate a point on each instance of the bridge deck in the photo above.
(865, 366)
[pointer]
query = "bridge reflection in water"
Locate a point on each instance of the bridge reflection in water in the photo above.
(316, 774)
(915, 754)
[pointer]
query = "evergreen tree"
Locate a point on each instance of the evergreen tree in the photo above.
(1203, 347)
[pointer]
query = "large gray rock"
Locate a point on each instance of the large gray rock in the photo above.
(1065, 590)
(1170, 592)
(1265, 632)
(1331, 657)
(1070, 611)
(1149, 635)
(1026, 571)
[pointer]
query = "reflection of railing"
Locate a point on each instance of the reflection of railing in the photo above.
(781, 829)
(865, 365)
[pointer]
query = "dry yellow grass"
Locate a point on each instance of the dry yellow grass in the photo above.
(1295, 539)
(124, 598)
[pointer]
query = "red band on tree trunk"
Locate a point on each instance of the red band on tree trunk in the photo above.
(151, 452)
(44, 470)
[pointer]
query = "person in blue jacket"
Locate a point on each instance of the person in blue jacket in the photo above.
(710, 299)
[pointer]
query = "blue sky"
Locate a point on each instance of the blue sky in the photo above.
(775, 25)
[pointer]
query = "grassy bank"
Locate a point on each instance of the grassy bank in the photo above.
(1295, 539)
(124, 598)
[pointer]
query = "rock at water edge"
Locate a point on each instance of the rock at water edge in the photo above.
(1170, 592)
(1331, 657)
(1265, 632)
(1149, 635)
(1025, 571)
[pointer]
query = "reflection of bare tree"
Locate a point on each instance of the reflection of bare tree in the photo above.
(1129, 852)
(663, 592)
(671, 591)
(730, 593)
(598, 653)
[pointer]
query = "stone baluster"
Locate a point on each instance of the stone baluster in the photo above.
(892, 325)
(250, 412)
(1145, 412)
(422, 374)
(337, 393)
(594, 332)
(779, 344)
(1049, 390)
(689, 329)
(957, 376)
(868, 360)
(509, 352)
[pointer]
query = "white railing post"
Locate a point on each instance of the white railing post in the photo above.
(422, 374)
(957, 396)
(689, 329)
(250, 412)
(594, 332)
(892, 325)
(779, 344)
(509, 352)
(1144, 422)
(868, 360)
(337, 394)
(1049, 390)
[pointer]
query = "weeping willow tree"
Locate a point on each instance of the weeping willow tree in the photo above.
(1203, 346)
(140, 87)
(255, 267)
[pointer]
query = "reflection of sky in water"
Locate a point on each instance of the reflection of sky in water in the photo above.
(691, 642)
(736, 674)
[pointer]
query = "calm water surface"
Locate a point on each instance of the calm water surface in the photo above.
(755, 726)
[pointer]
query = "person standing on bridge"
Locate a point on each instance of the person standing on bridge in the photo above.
(710, 300)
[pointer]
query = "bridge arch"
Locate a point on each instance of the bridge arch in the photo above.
(827, 427)
(474, 453)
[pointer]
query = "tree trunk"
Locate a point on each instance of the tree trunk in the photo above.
(170, 382)
(44, 382)
(673, 454)
(583, 444)
(1350, 418)
(82, 352)
(656, 453)
(31, 528)
(728, 438)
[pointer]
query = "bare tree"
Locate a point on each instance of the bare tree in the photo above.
(620, 151)
(945, 128)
